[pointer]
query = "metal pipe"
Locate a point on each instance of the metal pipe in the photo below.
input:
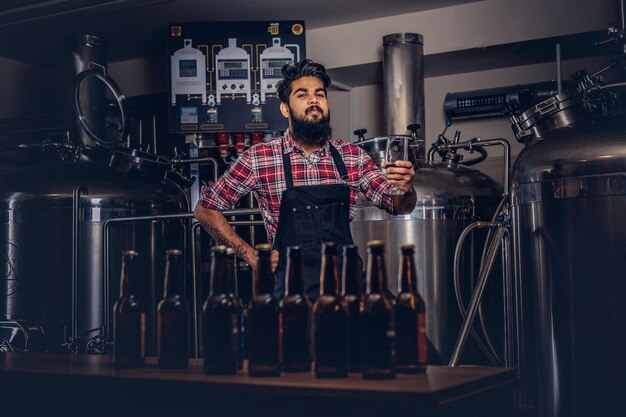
(489, 349)
(559, 75)
(204, 159)
(477, 296)
(403, 84)
(499, 211)
(109, 222)
(431, 154)
(195, 172)
(140, 133)
(474, 142)
(511, 330)
(154, 135)
(251, 229)
(506, 156)
(194, 280)
(77, 215)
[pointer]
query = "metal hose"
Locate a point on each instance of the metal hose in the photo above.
(481, 314)
(489, 351)
(477, 295)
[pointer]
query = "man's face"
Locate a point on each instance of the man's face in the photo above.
(307, 106)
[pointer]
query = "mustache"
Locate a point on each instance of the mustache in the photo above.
(313, 108)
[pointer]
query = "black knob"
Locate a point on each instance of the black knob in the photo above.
(414, 127)
(361, 134)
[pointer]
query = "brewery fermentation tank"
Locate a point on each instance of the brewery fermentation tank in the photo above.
(36, 202)
(449, 197)
(568, 209)
(56, 196)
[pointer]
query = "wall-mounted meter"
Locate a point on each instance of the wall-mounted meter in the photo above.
(233, 72)
(188, 72)
(272, 61)
(227, 81)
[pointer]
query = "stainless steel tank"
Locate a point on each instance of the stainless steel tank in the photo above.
(57, 197)
(449, 197)
(569, 227)
(36, 204)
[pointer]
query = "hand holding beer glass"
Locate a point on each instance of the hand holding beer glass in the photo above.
(397, 149)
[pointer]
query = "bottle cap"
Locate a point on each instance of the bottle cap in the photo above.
(219, 248)
(350, 250)
(263, 247)
(329, 248)
(293, 251)
(407, 247)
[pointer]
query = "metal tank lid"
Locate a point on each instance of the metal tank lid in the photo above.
(444, 190)
(446, 184)
(595, 148)
(403, 37)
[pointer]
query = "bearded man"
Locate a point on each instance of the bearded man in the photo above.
(305, 182)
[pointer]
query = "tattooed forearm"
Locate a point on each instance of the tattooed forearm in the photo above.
(217, 226)
(221, 238)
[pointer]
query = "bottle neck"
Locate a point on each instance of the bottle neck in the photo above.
(295, 276)
(219, 274)
(231, 280)
(376, 273)
(408, 274)
(351, 275)
(264, 275)
(174, 273)
(330, 275)
(128, 277)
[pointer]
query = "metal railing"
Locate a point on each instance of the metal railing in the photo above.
(194, 270)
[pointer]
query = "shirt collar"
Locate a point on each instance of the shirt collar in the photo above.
(290, 145)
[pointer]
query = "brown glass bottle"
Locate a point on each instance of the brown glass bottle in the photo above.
(351, 294)
(220, 319)
(129, 317)
(231, 263)
(377, 328)
(172, 315)
(330, 316)
(263, 325)
(295, 310)
(410, 315)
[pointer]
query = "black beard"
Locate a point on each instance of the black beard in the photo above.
(311, 132)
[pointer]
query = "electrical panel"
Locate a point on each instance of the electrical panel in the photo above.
(223, 75)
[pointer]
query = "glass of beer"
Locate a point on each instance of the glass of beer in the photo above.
(397, 149)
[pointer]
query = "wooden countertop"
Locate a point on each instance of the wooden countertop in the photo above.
(55, 381)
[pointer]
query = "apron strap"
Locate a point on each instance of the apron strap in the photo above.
(339, 164)
(286, 166)
(341, 167)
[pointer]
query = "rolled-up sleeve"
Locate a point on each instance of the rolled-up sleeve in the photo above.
(373, 184)
(236, 182)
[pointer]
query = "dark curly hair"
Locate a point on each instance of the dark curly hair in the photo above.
(304, 68)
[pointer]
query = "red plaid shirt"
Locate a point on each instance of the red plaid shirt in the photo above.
(260, 170)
